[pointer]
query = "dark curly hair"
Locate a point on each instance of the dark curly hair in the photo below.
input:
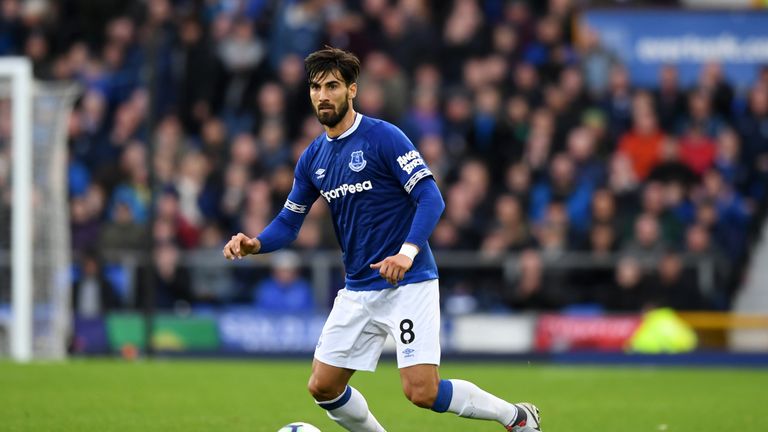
(328, 59)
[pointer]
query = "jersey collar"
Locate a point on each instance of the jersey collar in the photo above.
(350, 131)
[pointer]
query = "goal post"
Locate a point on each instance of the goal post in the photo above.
(19, 72)
(40, 247)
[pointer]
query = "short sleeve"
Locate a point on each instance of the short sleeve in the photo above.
(303, 193)
(402, 158)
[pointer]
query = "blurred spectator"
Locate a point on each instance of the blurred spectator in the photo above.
(566, 115)
(297, 29)
(590, 169)
(445, 236)
(506, 42)
(190, 185)
(752, 125)
(631, 290)
(293, 81)
(485, 129)
(537, 152)
(671, 168)
(425, 118)
(514, 128)
(273, 148)
(432, 149)
(697, 150)
(534, 288)
(123, 232)
(92, 293)
(642, 145)
(727, 160)
(669, 98)
(86, 225)
(518, 14)
(654, 203)
(590, 283)
(594, 120)
(552, 240)
(464, 36)
(197, 76)
(214, 137)
(712, 81)
(285, 291)
(647, 242)
(548, 52)
(602, 240)
(731, 208)
(729, 213)
(676, 286)
(617, 103)
(380, 70)
(698, 241)
(701, 115)
(603, 209)
(753, 128)
(406, 33)
(172, 284)
(563, 185)
(186, 233)
(459, 211)
(170, 279)
(512, 224)
(596, 62)
(517, 181)
(212, 285)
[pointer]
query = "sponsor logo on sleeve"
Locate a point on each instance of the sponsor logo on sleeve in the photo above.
(409, 161)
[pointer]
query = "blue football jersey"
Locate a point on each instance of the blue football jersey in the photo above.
(365, 175)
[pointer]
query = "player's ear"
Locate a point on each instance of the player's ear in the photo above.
(352, 90)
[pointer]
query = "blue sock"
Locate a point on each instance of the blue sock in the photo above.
(444, 396)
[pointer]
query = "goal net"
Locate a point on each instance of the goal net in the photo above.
(35, 251)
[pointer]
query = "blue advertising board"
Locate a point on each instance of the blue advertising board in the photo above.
(245, 331)
(646, 40)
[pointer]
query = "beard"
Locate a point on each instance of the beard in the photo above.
(331, 119)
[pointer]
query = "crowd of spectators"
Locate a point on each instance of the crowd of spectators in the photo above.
(535, 134)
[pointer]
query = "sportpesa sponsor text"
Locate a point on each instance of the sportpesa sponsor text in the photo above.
(346, 188)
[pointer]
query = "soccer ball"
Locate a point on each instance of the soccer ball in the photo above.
(299, 427)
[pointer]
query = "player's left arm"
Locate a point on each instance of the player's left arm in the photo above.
(429, 207)
(409, 168)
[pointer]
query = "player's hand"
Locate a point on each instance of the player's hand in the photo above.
(393, 268)
(241, 245)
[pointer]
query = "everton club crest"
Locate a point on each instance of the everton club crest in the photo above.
(357, 163)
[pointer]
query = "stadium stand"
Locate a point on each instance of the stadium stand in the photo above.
(607, 195)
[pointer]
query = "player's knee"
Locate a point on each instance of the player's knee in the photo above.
(323, 390)
(421, 395)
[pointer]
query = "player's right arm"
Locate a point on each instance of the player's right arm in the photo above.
(285, 226)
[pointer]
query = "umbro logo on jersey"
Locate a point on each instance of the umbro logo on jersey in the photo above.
(320, 173)
(345, 189)
(357, 162)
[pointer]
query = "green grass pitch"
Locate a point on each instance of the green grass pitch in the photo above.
(254, 396)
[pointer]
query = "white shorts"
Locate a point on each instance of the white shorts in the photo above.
(358, 325)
